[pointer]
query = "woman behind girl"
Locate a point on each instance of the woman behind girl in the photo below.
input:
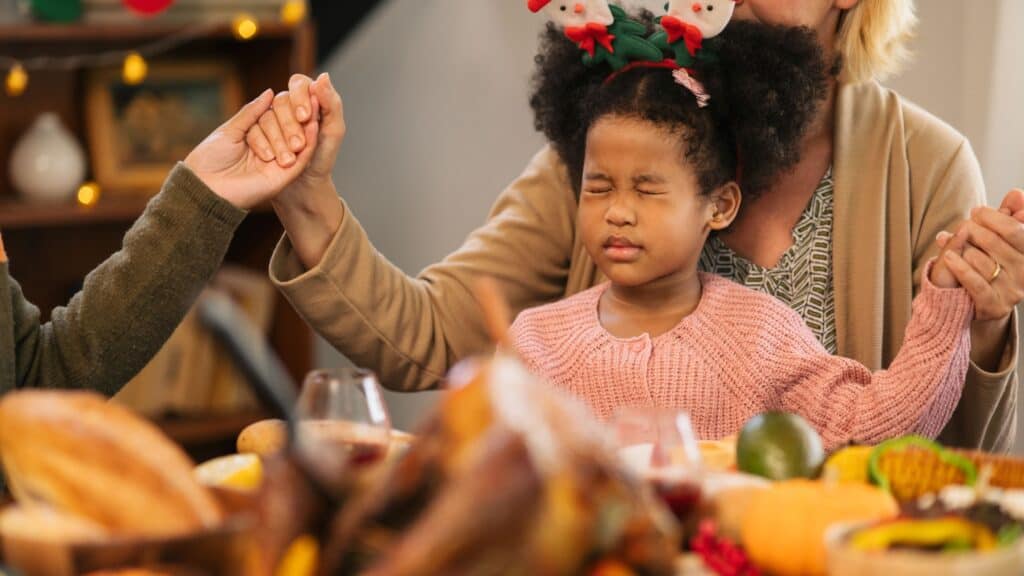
(656, 175)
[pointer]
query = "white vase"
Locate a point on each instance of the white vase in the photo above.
(47, 164)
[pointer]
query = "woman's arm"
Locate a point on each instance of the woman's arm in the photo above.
(944, 196)
(410, 330)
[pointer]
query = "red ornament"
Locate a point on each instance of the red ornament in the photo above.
(148, 7)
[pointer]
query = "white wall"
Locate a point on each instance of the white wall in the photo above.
(436, 100)
(969, 71)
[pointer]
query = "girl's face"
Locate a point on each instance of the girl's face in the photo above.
(642, 216)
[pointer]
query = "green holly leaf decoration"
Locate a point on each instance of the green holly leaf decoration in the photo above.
(682, 55)
(630, 43)
(57, 10)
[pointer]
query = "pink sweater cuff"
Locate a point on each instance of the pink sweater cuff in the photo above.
(944, 308)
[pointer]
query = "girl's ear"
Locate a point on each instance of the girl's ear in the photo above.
(725, 205)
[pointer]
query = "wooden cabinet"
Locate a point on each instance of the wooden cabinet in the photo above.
(52, 247)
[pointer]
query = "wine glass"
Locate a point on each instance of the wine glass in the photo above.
(660, 447)
(342, 410)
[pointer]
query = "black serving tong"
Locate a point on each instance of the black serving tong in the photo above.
(270, 381)
(253, 357)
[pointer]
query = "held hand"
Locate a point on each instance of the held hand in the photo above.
(951, 248)
(225, 163)
(992, 265)
(280, 133)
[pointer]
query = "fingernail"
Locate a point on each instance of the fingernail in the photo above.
(289, 157)
(301, 112)
(296, 142)
(268, 153)
(949, 255)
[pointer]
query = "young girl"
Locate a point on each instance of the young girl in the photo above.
(657, 174)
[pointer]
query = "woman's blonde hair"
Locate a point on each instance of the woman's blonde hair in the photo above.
(873, 37)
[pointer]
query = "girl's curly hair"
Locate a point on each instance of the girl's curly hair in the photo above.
(765, 87)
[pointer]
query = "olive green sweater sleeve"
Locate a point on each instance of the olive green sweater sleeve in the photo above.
(129, 305)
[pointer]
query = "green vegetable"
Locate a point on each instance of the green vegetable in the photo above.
(897, 444)
(1009, 534)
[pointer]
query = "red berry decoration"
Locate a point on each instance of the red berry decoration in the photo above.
(148, 7)
(721, 555)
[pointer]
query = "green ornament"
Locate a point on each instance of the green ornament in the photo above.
(57, 10)
(682, 54)
(629, 44)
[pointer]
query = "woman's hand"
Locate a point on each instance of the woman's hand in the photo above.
(991, 269)
(280, 133)
(992, 265)
(226, 164)
(309, 208)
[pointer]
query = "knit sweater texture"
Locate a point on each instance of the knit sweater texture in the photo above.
(741, 353)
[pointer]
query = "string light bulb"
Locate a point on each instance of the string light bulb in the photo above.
(134, 70)
(17, 81)
(88, 194)
(245, 27)
(293, 12)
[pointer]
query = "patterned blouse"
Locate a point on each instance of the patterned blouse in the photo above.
(803, 277)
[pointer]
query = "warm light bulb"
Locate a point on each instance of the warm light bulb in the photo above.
(245, 27)
(17, 80)
(293, 12)
(134, 70)
(88, 194)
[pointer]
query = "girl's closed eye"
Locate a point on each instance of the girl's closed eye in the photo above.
(650, 192)
(597, 183)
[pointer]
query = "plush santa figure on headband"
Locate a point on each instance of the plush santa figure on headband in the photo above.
(148, 7)
(689, 23)
(604, 32)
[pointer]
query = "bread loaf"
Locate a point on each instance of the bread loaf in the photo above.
(81, 455)
(43, 524)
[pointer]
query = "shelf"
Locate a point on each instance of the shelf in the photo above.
(31, 33)
(16, 215)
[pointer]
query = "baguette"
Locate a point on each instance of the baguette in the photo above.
(81, 455)
(43, 524)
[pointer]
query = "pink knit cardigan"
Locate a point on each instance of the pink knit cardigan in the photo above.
(742, 352)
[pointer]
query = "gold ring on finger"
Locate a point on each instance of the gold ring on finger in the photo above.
(996, 273)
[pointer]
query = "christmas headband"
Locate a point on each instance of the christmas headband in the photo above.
(606, 34)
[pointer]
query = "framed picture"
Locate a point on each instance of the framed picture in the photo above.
(137, 132)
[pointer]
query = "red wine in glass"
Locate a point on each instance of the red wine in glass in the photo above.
(365, 453)
(681, 496)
